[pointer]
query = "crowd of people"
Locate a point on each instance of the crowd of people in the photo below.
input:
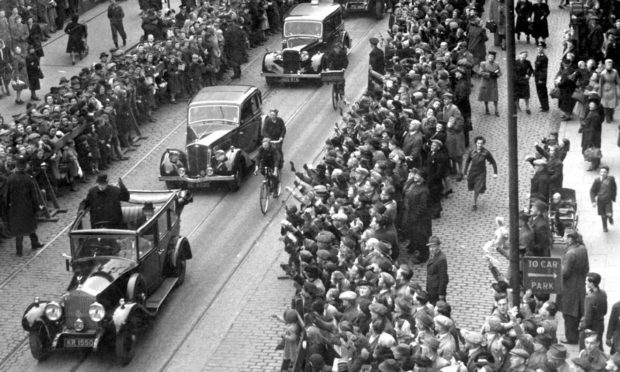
(363, 216)
(92, 119)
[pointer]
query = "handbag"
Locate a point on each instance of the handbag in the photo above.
(491, 26)
(555, 93)
(18, 85)
(592, 153)
(579, 95)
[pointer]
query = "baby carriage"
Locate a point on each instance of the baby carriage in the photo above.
(563, 212)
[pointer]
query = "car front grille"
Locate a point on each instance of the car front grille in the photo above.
(76, 306)
(197, 157)
(290, 61)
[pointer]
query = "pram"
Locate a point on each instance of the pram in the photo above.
(563, 212)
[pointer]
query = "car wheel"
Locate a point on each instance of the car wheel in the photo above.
(40, 343)
(136, 289)
(235, 184)
(180, 269)
(125, 346)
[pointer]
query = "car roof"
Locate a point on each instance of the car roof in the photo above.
(311, 12)
(224, 94)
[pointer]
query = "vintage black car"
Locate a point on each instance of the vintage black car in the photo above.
(223, 132)
(120, 279)
(309, 32)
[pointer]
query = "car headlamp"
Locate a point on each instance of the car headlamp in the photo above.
(53, 311)
(96, 311)
(181, 171)
(209, 171)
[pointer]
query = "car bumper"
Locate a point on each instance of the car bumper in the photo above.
(205, 179)
(291, 78)
(70, 339)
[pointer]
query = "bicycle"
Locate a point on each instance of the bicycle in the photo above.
(271, 187)
(337, 78)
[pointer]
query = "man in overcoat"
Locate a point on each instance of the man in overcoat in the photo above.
(539, 185)
(376, 58)
(436, 272)
(417, 222)
(540, 226)
(234, 47)
(540, 76)
(575, 267)
(603, 194)
(594, 309)
(23, 205)
(104, 203)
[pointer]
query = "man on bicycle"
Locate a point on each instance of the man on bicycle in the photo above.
(274, 129)
(268, 157)
(337, 59)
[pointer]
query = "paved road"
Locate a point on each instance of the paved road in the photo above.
(220, 319)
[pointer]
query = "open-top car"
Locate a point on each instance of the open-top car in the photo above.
(310, 31)
(121, 277)
(223, 134)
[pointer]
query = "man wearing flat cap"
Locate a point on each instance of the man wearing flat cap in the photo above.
(541, 246)
(436, 271)
(556, 355)
(104, 203)
(539, 184)
(438, 165)
(517, 362)
(22, 202)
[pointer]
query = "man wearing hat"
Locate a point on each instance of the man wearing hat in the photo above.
(23, 204)
(376, 57)
(474, 350)
(518, 358)
(556, 355)
(436, 271)
(104, 203)
(416, 222)
(438, 166)
(489, 71)
(540, 76)
(349, 305)
(274, 128)
(575, 267)
(116, 15)
(523, 70)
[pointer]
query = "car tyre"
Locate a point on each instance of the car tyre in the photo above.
(125, 346)
(179, 269)
(235, 184)
(136, 289)
(40, 343)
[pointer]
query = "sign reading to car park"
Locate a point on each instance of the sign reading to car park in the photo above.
(542, 274)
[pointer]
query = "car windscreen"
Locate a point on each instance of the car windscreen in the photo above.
(303, 28)
(123, 246)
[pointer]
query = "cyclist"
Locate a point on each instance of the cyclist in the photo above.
(338, 60)
(274, 129)
(268, 157)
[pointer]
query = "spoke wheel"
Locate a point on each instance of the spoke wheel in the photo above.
(335, 96)
(136, 289)
(264, 197)
(125, 346)
(40, 343)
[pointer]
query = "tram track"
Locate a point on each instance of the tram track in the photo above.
(267, 94)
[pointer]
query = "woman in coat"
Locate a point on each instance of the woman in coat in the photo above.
(524, 12)
(523, 70)
(476, 38)
(477, 177)
(33, 67)
(566, 83)
(77, 38)
(591, 130)
(540, 27)
(489, 71)
(20, 74)
(608, 90)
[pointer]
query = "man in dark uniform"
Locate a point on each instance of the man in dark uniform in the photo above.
(436, 272)
(594, 309)
(104, 203)
(417, 224)
(376, 57)
(234, 49)
(539, 185)
(540, 76)
(274, 128)
(22, 203)
(438, 166)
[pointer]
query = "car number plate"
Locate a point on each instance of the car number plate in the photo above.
(79, 342)
(357, 6)
(291, 79)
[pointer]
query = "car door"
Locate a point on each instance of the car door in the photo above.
(249, 129)
(152, 256)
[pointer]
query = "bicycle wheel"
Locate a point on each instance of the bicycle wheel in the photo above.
(264, 197)
(335, 96)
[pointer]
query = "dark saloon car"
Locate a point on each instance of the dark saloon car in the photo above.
(223, 132)
(310, 31)
(120, 279)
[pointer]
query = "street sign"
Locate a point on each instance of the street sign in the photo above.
(542, 274)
